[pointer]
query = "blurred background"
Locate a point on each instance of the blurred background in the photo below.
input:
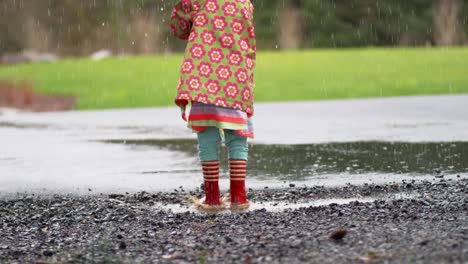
(79, 28)
(97, 54)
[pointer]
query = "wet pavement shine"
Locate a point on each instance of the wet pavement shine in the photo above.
(326, 143)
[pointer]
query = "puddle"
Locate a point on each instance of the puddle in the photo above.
(299, 162)
(282, 206)
(116, 151)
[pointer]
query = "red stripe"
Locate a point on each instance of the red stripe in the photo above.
(218, 118)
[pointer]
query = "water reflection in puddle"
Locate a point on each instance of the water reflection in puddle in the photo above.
(299, 162)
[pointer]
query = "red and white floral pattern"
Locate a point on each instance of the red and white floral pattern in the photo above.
(194, 83)
(208, 37)
(220, 56)
(205, 70)
(212, 87)
(231, 90)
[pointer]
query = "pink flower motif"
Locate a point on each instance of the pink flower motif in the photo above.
(229, 9)
(201, 20)
(227, 41)
(246, 94)
(235, 58)
(196, 6)
(174, 13)
(211, 6)
(244, 44)
(220, 102)
(249, 110)
(208, 37)
(237, 26)
(193, 36)
(216, 55)
(249, 62)
(187, 66)
(242, 76)
(184, 25)
(245, 13)
(212, 87)
(219, 23)
(241, 1)
(231, 90)
(202, 98)
(186, 7)
(251, 31)
(224, 73)
(204, 69)
(237, 105)
(194, 83)
(184, 96)
(197, 51)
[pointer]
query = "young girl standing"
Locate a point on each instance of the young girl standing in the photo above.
(217, 80)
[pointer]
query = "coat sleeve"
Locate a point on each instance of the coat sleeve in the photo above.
(182, 19)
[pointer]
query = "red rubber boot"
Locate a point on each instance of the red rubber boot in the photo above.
(212, 201)
(237, 171)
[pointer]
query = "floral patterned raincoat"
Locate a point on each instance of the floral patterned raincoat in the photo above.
(220, 56)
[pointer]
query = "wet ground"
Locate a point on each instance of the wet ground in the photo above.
(367, 181)
(427, 224)
(318, 143)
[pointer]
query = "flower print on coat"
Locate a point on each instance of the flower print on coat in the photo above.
(194, 83)
(251, 31)
(219, 23)
(235, 58)
(208, 37)
(242, 76)
(211, 6)
(193, 36)
(220, 102)
(244, 44)
(197, 51)
(224, 73)
(227, 40)
(231, 90)
(220, 56)
(184, 96)
(230, 9)
(246, 94)
(202, 98)
(212, 87)
(201, 20)
(187, 66)
(204, 69)
(216, 55)
(237, 26)
(249, 62)
(237, 105)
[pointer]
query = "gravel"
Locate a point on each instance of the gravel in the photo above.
(427, 224)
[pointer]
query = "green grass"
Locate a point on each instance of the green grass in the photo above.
(280, 76)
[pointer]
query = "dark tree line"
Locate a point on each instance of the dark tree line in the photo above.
(70, 27)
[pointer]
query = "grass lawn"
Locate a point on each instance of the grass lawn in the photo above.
(280, 76)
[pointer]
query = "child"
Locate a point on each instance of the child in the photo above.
(217, 80)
